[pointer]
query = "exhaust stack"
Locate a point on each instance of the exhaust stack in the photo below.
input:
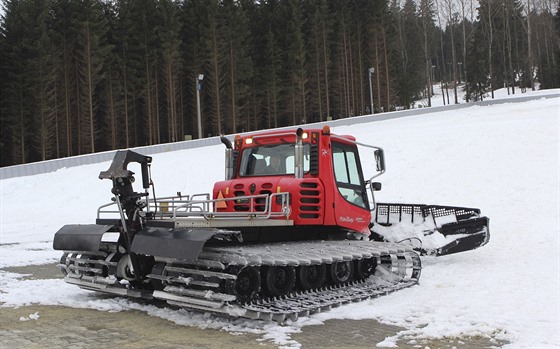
(298, 158)
(229, 157)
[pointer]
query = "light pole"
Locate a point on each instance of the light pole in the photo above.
(433, 73)
(371, 71)
(198, 87)
(433, 78)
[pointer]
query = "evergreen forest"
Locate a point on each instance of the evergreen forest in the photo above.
(83, 76)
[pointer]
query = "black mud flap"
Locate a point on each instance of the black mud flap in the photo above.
(473, 233)
(80, 237)
(181, 243)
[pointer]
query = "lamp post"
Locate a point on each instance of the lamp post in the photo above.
(371, 71)
(198, 88)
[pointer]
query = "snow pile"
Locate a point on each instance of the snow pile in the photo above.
(34, 316)
(502, 159)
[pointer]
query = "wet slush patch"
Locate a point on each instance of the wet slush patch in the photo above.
(62, 327)
(37, 272)
(368, 333)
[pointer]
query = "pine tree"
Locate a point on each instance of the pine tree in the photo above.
(91, 50)
(5, 142)
(213, 51)
(319, 44)
(46, 140)
(296, 63)
(268, 59)
(379, 18)
(191, 59)
(477, 74)
(426, 34)
(409, 75)
(548, 48)
(488, 13)
(64, 37)
(340, 95)
(112, 94)
(238, 66)
(169, 37)
(16, 89)
(28, 87)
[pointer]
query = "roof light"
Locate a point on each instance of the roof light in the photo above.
(248, 140)
(326, 130)
(305, 135)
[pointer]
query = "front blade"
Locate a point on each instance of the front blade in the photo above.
(470, 234)
(434, 229)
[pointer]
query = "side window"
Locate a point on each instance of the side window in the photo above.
(339, 163)
(347, 174)
(353, 168)
(345, 167)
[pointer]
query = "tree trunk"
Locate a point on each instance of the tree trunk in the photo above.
(216, 74)
(148, 97)
(490, 44)
(90, 88)
(232, 91)
(530, 46)
(326, 71)
(387, 81)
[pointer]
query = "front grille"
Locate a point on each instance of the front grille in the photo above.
(244, 205)
(241, 205)
(310, 200)
(260, 203)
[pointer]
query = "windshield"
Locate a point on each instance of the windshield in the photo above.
(271, 160)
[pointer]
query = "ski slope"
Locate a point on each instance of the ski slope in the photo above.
(503, 159)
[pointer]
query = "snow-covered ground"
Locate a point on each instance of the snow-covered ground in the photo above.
(503, 159)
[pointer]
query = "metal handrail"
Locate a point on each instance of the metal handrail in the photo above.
(188, 206)
(100, 209)
(203, 208)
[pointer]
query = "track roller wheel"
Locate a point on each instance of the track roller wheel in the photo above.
(341, 272)
(365, 268)
(280, 281)
(247, 286)
(312, 276)
(125, 269)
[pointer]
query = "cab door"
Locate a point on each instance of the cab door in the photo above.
(351, 202)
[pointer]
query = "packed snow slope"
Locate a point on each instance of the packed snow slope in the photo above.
(503, 159)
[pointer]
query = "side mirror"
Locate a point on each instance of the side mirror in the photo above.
(380, 160)
(376, 186)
